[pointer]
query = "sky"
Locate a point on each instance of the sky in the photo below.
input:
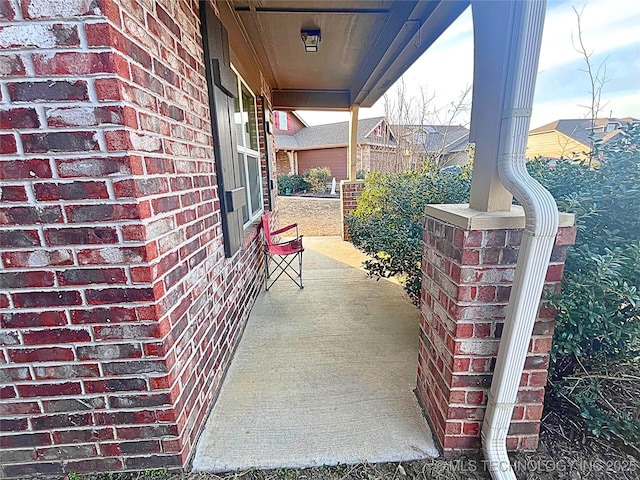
(610, 31)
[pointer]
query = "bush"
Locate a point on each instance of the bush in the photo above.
(599, 305)
(293, 183)
(317, 178)
(387, 224)
(598, 321)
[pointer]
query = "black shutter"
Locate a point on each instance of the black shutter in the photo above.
(266, 120)
(223, 87)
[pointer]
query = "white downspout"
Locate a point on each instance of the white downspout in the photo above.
(541, 226)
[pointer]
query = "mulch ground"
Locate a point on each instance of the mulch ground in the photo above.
(315, 216)
(566, 452)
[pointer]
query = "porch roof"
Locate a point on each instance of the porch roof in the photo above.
(365, 46)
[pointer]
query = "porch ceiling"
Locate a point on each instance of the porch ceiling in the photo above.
(366, 45)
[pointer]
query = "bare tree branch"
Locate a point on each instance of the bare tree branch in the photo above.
(597, 79)
(410, 114)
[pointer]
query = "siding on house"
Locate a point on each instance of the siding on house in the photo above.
(572, 138)
(456, 158)
(554, 144)
(327, 145)
(374, 158)
(334, 158)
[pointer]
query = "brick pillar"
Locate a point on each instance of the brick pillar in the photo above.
(468, 268)
(349, 193)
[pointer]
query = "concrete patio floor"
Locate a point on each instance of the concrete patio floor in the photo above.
(323, 375)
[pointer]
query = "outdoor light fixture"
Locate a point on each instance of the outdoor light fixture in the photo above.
(311, 39)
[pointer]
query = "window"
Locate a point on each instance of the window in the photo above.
(246, 125)
(283, 123)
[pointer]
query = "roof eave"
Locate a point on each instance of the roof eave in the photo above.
(421, 29)
(409, 34)
(311, 100)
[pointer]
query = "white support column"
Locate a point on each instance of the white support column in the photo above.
(353, 142)
(491, 30)
(508, 38)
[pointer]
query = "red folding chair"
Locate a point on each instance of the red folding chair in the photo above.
(283, 254)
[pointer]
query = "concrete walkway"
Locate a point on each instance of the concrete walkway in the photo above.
(323, 375)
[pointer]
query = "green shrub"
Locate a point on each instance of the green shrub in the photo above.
(599, 305)
(317, 179)
(598, 320)
(599, 302)
(293, 183)
(606, 395)
(387, 224)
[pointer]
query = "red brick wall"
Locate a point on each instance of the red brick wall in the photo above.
(349, 193)
(119, 311)
(267, 143)
(466, 283)
(282, 163)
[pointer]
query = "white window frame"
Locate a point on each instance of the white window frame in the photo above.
(245, 150)
(283, 121)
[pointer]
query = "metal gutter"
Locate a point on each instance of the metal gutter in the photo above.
(541, 226)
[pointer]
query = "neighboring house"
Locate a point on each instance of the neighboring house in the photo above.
(300, 147)
(285, 126)
(287, 123)
(572, 138)
(443, 145)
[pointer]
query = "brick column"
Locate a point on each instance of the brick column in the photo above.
(468, 268)
(349, 193)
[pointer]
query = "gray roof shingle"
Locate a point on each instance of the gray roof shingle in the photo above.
(436, 138)
(331, 135)
(286, 142)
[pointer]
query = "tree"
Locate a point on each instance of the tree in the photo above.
(409, 114)
(404, 112)
(597, 78)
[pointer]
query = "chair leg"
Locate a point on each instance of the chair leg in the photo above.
(300, 268)
(283, 265)
(266, 271)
